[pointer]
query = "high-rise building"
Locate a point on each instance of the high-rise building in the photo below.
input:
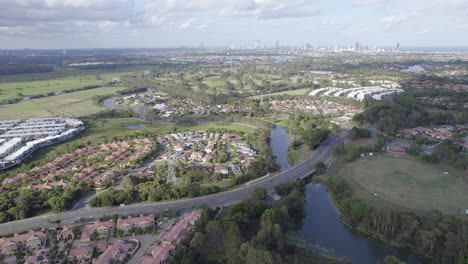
(356, 47)
(277, 45)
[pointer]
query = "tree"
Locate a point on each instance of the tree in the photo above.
(256, 256)
(24, 204)
(197, 241)
(57, 204)
(320, 168)
(128, 183)
(391, 260)
(259, 193)
(94, 236)
(313, 137)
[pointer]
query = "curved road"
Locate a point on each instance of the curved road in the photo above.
(301, 170)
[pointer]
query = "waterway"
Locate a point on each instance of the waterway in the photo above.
(323, 229)
(111, 104)
(279, 142)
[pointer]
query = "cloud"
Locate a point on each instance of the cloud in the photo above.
(192, 24)
(392, 20)
(270, 9)
(368, 2)
(262, 9)
(45, 17)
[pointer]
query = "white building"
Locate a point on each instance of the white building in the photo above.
(22, 139)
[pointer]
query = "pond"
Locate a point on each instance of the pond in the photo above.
(414, 69)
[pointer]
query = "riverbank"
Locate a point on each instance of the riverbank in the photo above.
(325, 231)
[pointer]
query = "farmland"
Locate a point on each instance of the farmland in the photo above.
(77, 104)
(407, 183)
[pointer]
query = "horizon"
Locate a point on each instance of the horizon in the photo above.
(65, 24)
(245, 47)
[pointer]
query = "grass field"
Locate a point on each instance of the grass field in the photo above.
(12, 90)
(405, 182)
(76, 104)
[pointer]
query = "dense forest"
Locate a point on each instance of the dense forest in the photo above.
(250, 232)
(444, 239)
(405, 112)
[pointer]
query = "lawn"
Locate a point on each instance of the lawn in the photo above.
(76, 104)
(406, 182)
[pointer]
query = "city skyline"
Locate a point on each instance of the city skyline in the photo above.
(66, 24)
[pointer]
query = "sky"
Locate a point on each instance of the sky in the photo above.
(62, 24)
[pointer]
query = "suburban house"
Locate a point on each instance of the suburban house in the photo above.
(65, 233)
(115, 253)
(159, 253)
(81, 254)
(130, 223)
(396, 149)
(31, 240)
(103, 229)
(41, 257)
(221, 169)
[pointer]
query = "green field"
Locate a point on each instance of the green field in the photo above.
(405, 182)
(10, 90)
(77, 104)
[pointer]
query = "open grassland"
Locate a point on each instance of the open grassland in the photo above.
(77, 104)
(403, 181)
(10, 90)
(107, 129)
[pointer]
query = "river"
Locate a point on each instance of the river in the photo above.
(279, 143)
(323, 229)
(322, 226)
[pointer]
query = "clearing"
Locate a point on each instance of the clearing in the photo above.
(408, 183)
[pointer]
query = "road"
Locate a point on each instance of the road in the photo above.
(300, 170)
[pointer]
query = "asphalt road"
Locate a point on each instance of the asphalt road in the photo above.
(300, 170)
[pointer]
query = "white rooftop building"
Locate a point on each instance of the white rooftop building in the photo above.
(358, 93)
(21, 139)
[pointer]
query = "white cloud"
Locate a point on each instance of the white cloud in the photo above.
(368, 2)
(269, 9)
(189, 23)
(263, 9)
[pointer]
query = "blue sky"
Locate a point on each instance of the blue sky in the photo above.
(163, 23)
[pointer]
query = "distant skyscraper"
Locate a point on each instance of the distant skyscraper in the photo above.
(397, 46)
(356, 47)
(277, 45)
